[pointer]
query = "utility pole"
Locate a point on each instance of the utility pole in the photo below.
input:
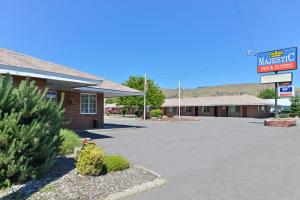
(276, 98)
(145, 91)
(179, 100)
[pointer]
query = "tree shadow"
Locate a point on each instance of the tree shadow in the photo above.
(92, 135)
(62, 166)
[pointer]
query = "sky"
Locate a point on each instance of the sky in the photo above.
(202, 43)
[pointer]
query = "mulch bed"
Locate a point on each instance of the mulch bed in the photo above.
(63, 182)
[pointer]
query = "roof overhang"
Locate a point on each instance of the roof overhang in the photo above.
(27, 72)
(109, 92)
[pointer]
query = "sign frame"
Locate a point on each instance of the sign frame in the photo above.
(296, 60)
(276, 81)
(286, 96)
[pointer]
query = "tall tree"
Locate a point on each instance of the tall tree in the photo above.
(295, 106)
(268, 93)
(29, 132)
(154, 96)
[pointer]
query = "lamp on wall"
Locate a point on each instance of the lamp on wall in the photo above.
(71, 101)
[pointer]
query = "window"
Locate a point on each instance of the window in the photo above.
(261, 108)
(188, 109)
(205, 109)
(88, 104)
(52, 95)
(234, 109)
(170, 109)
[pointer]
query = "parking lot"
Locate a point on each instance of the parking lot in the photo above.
(213, 159)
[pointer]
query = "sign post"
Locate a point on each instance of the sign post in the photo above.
(275, 61)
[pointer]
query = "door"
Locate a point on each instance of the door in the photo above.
(244, 111)
(216, 111)
(196, 111)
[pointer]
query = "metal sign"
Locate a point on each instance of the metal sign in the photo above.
(276, 78)
(285, 83)
(278, 60)
(286, 91)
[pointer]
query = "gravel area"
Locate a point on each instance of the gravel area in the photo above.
(63, 182)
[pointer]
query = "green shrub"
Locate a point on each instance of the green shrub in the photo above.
(90, 160)
(29, 131)
(115, 163)
(156, 113)
(70, 141)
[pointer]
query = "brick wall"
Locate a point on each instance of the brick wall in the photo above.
(72, 111)
(252, 111)
(72, 106)
(41, 83)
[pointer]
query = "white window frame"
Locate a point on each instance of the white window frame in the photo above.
(88, 113)
(53, 92)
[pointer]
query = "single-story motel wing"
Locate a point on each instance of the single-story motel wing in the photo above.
(83, 93)
(219, 106)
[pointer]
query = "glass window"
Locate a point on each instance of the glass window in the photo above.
(234, 109)
(188, 109)
(205, 109)
(88, 103)
(52, 95)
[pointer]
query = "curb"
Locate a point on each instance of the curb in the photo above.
(137, 189)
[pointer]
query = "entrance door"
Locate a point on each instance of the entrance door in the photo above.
(244, 111)
(196, 111)
(216, 111)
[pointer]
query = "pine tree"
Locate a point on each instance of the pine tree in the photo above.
(29, 132)
(295, 106)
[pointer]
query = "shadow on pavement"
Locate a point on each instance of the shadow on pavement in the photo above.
(120, 126)
(93, 136)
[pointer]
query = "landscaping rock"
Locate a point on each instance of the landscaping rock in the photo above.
(63, 182)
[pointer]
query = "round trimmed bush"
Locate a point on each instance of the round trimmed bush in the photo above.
(115, 163)
(90, 160)
(156, 113)
(70, 141)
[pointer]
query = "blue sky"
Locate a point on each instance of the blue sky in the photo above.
(201, 43)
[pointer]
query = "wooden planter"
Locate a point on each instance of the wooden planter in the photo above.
(288, 122)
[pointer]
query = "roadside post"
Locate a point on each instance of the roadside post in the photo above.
(145, 91)
(277, 61)
(179, 99)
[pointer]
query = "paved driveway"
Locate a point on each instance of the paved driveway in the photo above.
(214, 159)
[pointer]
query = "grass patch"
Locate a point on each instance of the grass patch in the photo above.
(115, 163)
(71, 140)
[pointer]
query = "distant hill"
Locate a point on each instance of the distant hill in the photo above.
(230, 89)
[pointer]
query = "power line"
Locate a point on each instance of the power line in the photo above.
(244, 25)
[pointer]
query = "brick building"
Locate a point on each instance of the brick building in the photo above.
(219, 106)
(83, 93)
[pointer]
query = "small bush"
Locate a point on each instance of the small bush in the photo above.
(115, 163)
(90, 160)
(156, 113)
(70, 141)
(138, 113)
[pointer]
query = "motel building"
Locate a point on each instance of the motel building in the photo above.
(83, 93)
(219, 106)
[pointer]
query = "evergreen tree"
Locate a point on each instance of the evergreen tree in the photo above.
(295, 106)
(29, 132)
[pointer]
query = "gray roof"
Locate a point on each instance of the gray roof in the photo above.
(217, 101)
(19, 61)
(16, 59)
